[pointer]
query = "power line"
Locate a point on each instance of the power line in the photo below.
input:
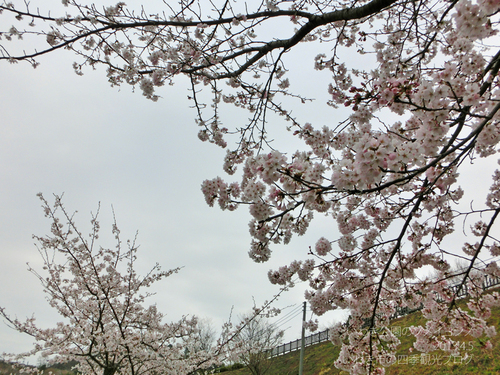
(288, 316)
(289, 319)
(296, 306)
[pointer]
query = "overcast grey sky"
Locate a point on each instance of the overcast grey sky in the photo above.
(61, 133)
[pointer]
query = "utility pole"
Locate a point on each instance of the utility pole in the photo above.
(303, 341)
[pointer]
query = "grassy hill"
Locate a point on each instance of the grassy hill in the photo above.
(319, 359)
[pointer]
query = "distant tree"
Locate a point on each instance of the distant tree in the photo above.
(106, 328)
(205, 340)
(458, 271)
(206, 336)
(254, 343)
(420, 81)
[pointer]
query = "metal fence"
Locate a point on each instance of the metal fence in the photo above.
(459, 290)
(488, 282)
(292, 346)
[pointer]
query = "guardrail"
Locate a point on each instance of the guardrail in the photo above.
(488, 282)
(292, 346)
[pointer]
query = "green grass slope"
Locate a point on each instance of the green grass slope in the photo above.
(319, 359)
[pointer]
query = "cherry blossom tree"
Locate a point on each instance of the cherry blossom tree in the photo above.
(387, 173)
(106, 328)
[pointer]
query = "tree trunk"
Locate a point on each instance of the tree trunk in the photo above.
(109, 371)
